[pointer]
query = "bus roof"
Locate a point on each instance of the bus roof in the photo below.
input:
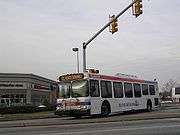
(117, 78)
(79, 76)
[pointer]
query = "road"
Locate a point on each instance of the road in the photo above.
(165, 121)
(142, 127)
(171, 111)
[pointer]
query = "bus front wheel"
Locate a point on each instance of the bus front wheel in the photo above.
(105, 109)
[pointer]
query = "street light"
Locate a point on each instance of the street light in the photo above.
(77, 50)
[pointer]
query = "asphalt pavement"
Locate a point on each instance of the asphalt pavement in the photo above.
(170, 126)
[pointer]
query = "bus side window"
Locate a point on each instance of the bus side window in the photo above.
(152, 89)
(118, 89)
(137, 90)
(94, 88)
(128, 90)
(145, 89)
(106, 89)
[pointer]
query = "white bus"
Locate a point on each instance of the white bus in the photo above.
(94, 94)
(175, 95)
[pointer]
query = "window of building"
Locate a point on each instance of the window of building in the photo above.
(2, 101)
(152, 89)
(12, 96)
(145, 89)
(137, 90)
(22, 96)
(94, 88)
(118, 89)
(17, 100)
(106, 89)
(128, 90)
(5, 96)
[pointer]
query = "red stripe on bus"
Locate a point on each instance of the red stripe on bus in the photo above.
(68, 103)
(113, 78)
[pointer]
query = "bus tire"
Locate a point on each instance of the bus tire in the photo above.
(105, 109)
(149, 105)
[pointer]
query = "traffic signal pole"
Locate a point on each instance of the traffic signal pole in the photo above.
(85, 44)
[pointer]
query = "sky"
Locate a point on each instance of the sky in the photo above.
(37, 36)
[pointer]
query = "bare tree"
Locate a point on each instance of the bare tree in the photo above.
(167, 88)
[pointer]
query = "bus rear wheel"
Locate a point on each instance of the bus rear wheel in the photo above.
(105, 109)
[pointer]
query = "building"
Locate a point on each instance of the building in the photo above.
(176, 94)
(26, 89)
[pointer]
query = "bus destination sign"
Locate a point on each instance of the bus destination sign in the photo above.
(71, 77)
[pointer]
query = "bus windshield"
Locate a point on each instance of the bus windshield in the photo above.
(64, 90)
(80, 88)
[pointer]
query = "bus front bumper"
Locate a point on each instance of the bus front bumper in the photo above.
(73, 112)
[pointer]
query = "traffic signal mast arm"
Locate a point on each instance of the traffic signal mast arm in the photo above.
(85, 44)
(101, 30)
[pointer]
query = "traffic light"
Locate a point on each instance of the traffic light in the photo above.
(137, 8)
(113, 25)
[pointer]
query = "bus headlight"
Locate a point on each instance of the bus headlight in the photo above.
(84, 107)
(58, 108)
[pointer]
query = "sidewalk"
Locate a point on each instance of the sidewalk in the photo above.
(68, 120)
(27, 116)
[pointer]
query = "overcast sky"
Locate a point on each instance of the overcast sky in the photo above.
(37, 36)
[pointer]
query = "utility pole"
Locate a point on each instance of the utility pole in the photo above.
(85, 44)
